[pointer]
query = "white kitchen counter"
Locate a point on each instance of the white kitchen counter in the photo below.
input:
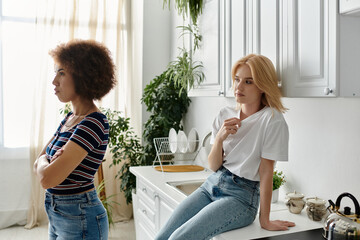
(158, 181)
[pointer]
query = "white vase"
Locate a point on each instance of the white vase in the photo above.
(275, 196)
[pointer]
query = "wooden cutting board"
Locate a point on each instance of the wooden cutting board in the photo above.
(180, 168)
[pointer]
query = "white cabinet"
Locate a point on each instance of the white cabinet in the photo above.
(165, 211)
(151, 210)
(299, 37)
(232, 29)
(311, 67)
(253, 27)
(314, 49)
(211, 52)
(350, 7)
(322, 51)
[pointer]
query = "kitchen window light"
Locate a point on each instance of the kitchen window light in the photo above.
(17, 31)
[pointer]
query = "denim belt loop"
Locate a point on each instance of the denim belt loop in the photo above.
(88, 196)
(52, 199)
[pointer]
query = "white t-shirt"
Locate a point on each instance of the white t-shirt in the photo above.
(264, 134)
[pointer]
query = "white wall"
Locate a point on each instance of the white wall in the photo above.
(324, 147)
(152, 26)
(14, 204)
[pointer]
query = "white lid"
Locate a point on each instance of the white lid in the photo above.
(294, 195)
(316, 201)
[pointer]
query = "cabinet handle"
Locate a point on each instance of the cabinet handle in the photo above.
(144, 189)
(327, 91)
(144, 211)
(221, 93)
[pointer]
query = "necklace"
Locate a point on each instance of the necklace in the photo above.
(70, 122)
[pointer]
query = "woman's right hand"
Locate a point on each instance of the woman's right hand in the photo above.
(215, 157)
(230, 126)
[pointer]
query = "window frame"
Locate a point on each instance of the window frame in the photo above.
(7, 152)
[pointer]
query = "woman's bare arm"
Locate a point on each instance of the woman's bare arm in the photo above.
(53, 173)
(266, 181)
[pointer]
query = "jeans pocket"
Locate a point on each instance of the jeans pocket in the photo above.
(103, 224)
(68, 211)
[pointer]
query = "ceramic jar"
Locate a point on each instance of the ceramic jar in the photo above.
(295, 202)
(316, 208)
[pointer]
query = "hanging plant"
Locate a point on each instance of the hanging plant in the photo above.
(194, 7)
(184, 71)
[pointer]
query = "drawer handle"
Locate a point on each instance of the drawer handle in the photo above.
(144, 189)
(144, 211)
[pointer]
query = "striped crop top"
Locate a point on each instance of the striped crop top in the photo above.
(91, 134)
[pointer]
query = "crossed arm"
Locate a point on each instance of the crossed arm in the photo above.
(61, 165)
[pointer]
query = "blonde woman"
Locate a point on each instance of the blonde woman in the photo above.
(247, 140)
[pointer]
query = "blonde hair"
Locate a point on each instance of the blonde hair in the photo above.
(264, 77)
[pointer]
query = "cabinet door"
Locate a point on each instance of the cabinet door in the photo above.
(165, 211)
(311, 66)
(211, 50)
(237, 39)
(144, 233)
(253, 27)
(269, 24)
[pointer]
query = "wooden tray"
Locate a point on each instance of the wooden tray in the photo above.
(179, 168)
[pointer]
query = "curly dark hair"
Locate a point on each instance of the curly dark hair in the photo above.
(90, 64)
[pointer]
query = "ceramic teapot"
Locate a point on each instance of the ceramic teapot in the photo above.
(342, 225)
(295, 202)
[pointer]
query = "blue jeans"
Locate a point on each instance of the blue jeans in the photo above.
(77, 216)
(224, 202)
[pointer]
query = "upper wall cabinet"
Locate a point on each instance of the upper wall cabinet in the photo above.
(211, 52)
(252, 27)
(314, 49)
(311, 64)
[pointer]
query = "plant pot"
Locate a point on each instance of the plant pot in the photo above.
(275, 196)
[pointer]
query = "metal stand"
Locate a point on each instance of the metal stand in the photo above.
(164, 155)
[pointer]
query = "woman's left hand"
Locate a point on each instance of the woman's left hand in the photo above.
(277, 225)
(57, 154)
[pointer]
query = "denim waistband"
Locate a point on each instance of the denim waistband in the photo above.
(227, 172)
(80, 197)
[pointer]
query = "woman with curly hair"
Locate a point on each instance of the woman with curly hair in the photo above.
(66, 167)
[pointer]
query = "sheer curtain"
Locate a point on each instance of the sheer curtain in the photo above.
(60, 21)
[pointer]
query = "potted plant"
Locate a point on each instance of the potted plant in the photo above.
(166, 96)
(126, 148)
(167, 106)
(278, 181)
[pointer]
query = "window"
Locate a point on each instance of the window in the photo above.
(19, 38)
(17, 31)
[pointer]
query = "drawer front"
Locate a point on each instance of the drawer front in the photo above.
(147, 214)
(146, 193)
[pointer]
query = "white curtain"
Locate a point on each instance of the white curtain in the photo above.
(106, 21)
